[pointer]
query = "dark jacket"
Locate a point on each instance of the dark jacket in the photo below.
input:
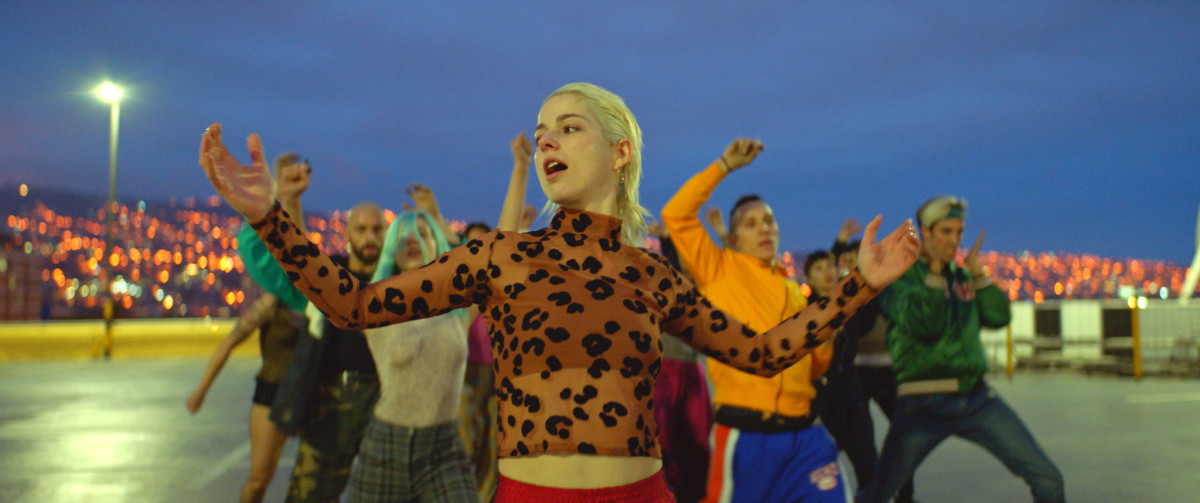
(935, 322)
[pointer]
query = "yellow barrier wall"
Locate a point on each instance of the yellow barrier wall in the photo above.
(131, 338)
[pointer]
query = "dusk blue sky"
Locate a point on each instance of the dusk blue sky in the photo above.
(1068, 126)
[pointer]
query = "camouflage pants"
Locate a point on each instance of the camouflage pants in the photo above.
(477, 415)
(329, 443)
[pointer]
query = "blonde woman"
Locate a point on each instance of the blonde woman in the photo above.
(575, 310)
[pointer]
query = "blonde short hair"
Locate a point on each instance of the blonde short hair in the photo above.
(616, 122)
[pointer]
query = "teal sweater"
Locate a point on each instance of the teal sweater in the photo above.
(935, 322)
(261, 266)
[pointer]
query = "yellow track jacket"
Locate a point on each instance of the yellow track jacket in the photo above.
(757, 295)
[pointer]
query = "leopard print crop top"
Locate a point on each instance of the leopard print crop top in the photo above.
(574, 317)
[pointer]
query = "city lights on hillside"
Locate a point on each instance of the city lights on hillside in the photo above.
(183, 261)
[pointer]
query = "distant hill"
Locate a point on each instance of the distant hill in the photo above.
(73, 203)
(62, 201)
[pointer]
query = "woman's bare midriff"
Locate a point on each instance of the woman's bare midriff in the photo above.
(578, 471)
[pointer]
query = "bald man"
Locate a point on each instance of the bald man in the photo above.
(346, 383)
(331, 385)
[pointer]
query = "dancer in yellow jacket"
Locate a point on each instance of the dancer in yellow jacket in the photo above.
(765, 445)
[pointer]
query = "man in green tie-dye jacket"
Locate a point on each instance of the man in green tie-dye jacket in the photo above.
(936, 310)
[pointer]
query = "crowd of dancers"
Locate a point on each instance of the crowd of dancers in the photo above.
(569, 363)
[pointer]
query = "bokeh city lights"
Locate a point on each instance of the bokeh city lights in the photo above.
(180, 259)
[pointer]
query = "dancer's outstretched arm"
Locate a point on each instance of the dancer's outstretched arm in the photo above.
(253, 318)
(694, 320)
(455, 280)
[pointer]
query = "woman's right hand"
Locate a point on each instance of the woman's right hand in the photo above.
(250, 190)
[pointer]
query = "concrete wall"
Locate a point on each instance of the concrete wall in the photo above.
(994, 340)
(131, 338)
(1162, 323)
(1081, 329)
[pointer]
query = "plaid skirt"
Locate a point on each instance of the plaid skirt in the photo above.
(402, 464)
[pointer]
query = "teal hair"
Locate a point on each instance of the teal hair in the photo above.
(403, 226)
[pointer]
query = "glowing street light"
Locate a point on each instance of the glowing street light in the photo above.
(112, 94)
(109, 92)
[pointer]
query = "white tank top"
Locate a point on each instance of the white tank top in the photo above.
(421, 366)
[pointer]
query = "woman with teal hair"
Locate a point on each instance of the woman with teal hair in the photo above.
(412, 450)
(413, 231)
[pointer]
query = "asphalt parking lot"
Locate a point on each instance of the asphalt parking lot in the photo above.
(118, 431)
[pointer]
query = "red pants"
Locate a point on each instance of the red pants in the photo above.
(652, 489)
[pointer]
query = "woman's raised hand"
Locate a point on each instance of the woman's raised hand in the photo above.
(250, 190)
(424, 199)
(740, 152)
(522, 150)
(882, 262)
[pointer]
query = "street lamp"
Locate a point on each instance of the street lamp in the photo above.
(110, 93)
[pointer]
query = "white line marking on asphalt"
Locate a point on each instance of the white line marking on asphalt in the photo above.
(1183, 396)
(222, 466)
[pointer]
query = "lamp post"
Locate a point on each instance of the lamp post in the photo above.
(110, 93)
